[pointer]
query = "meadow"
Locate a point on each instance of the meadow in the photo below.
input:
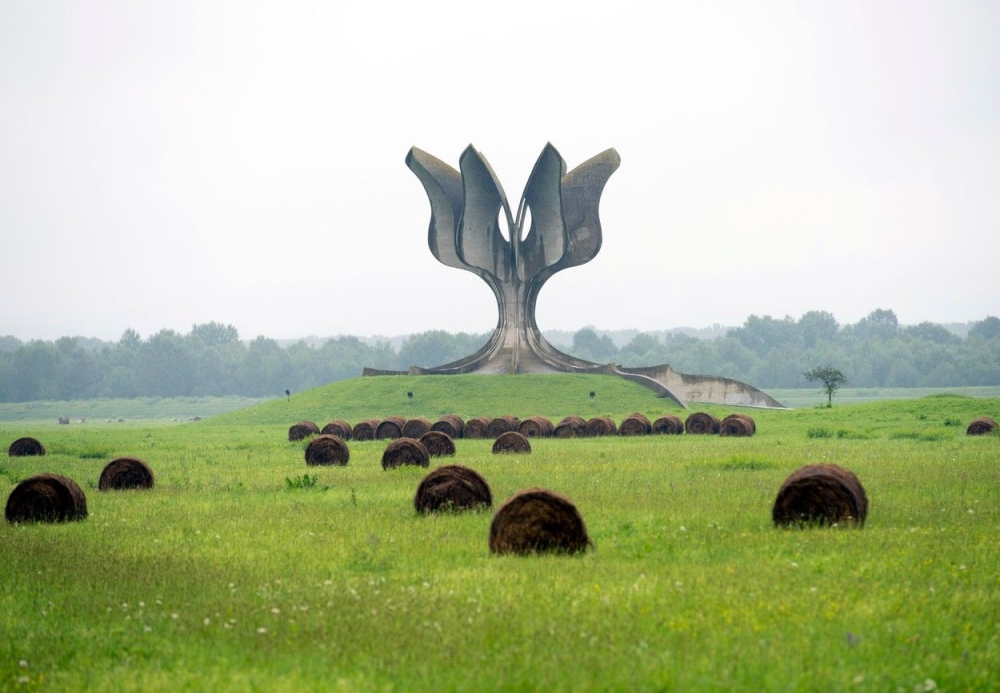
(244, 569)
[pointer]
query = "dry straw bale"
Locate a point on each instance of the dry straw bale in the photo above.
(737, 425)
(124, 473)
(982, 425)
(405, 451)
(24, 447)
(452, 487)
(302, 430)
(390, 428)
(450, 424)
(598, 426)
(511, 442)
(569, 427)
(668, 424)
(702, 423)
(365, 430)
(537, 520)
(535, 427)
(476, 427)
(635, 424)
(339, 428)
(438, 444)
(820, 494)
(502, 424)
(46, 498)
(327, 449)
(416, 427)
(64, 420)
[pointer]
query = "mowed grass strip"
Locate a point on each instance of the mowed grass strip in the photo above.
(224, 576)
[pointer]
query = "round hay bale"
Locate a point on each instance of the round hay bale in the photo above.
(501, 425)
(24, 447)
(302, 430)
(668, 424)
(569, 427)
(511, 442)
(982, 425)
(452, 487)
(451, 425)
(820, 494)
(365, 430)
(438, 444)
(701, 423)
(737, 425)
(124, 473)
(535, 427)
(339, 428)
(537, 520)
(390, 428)
(46, 498)
(405, 451)
(416, 427)
(598, 426)
(327, 449)
(64, 419)
(476, 427)
(635, 424)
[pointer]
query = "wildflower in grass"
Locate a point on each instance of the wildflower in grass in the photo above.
(23, 664)
(261, 630)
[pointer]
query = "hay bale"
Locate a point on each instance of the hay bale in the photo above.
(24, 447)
(124, 473)
(569, 427)
(64, 420)
(438, 444)
(416, 427)
(737, 425)
(46, 498)
(635, 424)
(339, 428)
(365, 430)
(535, 427)
(452, 487)
(511, 442)
(302, 430)
(476, 427)
(702, 423)
(327, 449)
(980, 426)
(405, 451)
(668, 424)
(537, 520)
(390, 428)
(820, 494)
(598, 426)
(501, 425)
(451, 425)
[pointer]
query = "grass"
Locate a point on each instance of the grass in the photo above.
(242, 569)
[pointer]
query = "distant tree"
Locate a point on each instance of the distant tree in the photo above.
(986, 329)
(215, 333)
(587, 344)
(831, 378)
(130, 339)
(879, 323)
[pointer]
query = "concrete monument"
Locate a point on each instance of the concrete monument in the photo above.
(564, 231)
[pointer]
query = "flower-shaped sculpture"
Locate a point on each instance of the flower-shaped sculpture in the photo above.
(465, 232)
(564, 231)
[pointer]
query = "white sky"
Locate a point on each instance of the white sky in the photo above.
(166, 164)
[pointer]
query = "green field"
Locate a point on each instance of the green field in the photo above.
(243, 569)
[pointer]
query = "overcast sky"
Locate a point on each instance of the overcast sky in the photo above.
(172, 163)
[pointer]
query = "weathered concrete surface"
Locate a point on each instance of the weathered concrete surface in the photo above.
(565, 232)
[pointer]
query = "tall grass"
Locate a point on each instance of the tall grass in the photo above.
(230, 576)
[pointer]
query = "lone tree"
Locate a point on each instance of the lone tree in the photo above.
(831, 378)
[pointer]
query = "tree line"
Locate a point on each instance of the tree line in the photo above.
(766, 352)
